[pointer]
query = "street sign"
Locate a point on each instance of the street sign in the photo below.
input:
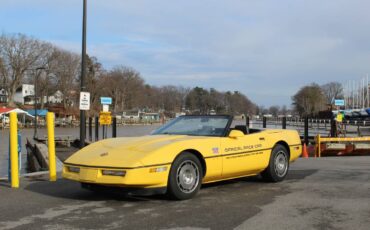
(84, 101)
(339, 102)
(105, 118)
(105, 108)
(105, 100)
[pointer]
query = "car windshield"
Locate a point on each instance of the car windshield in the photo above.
(196, 126)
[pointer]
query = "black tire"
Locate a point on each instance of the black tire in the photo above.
(185, 178)
(278, 166)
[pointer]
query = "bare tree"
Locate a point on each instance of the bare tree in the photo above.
(19, 53)
(332, 91)
(274, 110)
(63, 69)
(125, 86)
(309, 100)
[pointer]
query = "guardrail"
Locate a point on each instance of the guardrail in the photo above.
(309, 128)
(320, 140)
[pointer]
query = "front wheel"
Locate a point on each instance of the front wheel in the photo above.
(185, 177)
(278, 165)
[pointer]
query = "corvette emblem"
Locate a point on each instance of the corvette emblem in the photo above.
(215, 150)
(104, 154)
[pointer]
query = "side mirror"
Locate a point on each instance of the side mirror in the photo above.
(236, 133)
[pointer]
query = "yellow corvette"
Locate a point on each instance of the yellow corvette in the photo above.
(183, 154)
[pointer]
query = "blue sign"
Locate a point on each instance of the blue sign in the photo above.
(339, 102)
(106, 100)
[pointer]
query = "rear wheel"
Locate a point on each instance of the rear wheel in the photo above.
(185, 177)
(278, 165)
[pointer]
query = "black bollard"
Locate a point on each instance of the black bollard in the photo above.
(284, 123)
(306, 130)
(333, 128)
(114, 127)
(264, 122)
(90, 129)
(96, 128)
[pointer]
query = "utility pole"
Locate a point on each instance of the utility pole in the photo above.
(37, 72)
(83, 74)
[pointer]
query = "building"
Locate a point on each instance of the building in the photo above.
(138, 116)
(3, 95)
(56, 98)
(150, 117)
(25, 94)
(133, 115)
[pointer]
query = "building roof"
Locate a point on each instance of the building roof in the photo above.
(5, 110)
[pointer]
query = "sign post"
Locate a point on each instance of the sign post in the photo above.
(83, 73)
(84, 105)
(105, 117)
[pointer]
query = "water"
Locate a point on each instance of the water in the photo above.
(122, 131)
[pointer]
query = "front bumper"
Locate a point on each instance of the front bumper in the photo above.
(141, 177)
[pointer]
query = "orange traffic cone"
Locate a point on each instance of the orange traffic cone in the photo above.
(304, 151)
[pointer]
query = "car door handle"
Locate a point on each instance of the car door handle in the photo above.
(262, 138)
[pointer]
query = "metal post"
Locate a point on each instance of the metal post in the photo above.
(96, 128)
(35, 105)
(306, 130)
(51, 146)
(114, 127)
(247, 121)
(264, 122)
(333, 128)
(83, 72)
(284, 123)
(90, 129)
(14, 150)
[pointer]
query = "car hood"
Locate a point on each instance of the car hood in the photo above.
(122, 152)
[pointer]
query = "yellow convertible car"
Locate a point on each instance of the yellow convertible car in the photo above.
(184, 154)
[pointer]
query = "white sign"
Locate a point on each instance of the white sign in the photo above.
(84, 101)
(105, 108)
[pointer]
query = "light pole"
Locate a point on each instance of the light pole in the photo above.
(35, 102)
(83, 73)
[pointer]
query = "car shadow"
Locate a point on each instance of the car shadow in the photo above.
(257, 180)
(71, 190)
(300, 174)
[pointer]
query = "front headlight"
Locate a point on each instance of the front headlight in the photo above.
(113, 173)
(73, 169)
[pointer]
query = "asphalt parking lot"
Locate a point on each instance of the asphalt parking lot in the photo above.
(326, 193)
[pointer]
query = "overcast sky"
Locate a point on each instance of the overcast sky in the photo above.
(265, 49)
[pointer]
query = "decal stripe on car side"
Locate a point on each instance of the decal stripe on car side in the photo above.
(257, 150)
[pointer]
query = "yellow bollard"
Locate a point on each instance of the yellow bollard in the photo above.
(318, 143)
(14, 164)
(51, 146)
